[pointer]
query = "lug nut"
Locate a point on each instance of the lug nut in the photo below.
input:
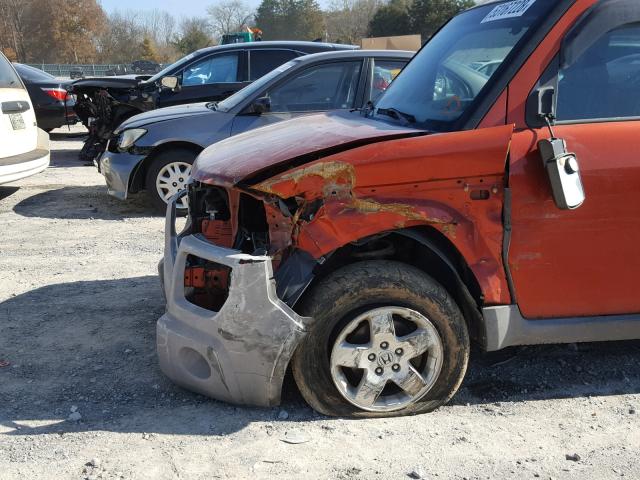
(379, 371)
(399, 351)
(384, 345)
(395, 367)
(372, 356)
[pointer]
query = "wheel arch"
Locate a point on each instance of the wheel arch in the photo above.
(136, 183)
(430, 251)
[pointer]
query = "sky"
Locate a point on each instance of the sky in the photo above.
(179, 8)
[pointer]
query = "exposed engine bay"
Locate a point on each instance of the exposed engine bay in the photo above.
(103, 104)
(211, 208)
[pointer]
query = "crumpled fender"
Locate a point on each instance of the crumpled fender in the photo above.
(453, 182)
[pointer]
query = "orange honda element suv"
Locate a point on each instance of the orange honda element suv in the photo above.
(366, 250)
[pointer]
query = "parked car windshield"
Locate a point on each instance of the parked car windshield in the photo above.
(452, 70)
(32, 74)
(249, 90)
(8, 77)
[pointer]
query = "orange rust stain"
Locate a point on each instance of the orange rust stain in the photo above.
(369, 206)
(303, 179)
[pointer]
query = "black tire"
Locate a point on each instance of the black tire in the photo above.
(353, 289)
(158, 163)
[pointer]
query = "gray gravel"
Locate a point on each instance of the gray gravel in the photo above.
(82, 396)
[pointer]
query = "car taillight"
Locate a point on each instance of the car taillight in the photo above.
(59, 94)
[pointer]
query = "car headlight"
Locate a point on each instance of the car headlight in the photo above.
(130, 137)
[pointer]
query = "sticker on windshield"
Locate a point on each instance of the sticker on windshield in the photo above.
(508, 10)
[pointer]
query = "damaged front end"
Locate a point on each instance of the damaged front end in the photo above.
(268, 211)
(103, 104)
(225, 333)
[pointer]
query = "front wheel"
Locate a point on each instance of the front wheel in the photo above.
(387, 340)
(167, 175)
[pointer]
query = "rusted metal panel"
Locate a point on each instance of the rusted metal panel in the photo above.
(405, 183)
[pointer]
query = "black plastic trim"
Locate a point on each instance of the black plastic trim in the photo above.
(15, 107)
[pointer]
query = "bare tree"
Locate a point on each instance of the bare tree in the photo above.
(229, 16)
(123, 40)
(347, 21)
(119, 42)
(160, 27)
(13, 29)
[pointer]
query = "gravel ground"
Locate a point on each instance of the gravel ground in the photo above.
(82, 396)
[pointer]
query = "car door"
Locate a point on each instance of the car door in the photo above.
(583, 262)
(318, 88)
(208, 79)
(18, 130)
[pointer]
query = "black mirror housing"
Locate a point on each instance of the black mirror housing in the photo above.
(546, 102)
(261, 105)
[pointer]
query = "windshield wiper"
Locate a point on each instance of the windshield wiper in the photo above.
(397, 114)
(212, 106)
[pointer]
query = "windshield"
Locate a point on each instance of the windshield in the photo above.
(240, 96)
(177, 64)
(451, 71)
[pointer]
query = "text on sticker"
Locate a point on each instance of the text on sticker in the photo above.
(508, 10)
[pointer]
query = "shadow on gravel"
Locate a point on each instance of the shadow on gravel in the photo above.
(91, 202)
(552, 371)
(91, 345)
(64, 135)
(67, 158)
(6, 192)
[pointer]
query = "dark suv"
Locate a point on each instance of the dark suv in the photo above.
(209, 74)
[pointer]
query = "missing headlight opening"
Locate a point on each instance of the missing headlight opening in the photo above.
(206, 283)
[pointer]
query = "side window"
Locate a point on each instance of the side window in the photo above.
(604, 82)
(8, 78)
(262, 62)
(215, 69)
(324, 87)
(384, 72)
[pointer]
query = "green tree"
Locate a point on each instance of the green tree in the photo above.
(391, 19)
(290, 20)
(427, 16)
(194, 35)
(148, 50)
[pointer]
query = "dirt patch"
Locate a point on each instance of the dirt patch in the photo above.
(81, 395)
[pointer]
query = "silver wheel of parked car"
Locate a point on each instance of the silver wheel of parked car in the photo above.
(171, 179)
(398, 364)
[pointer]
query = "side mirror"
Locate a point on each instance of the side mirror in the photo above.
(546, 103)
(261, 105)
(170, 83)
(561, 166)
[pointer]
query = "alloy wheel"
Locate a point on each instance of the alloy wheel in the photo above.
(386, 359)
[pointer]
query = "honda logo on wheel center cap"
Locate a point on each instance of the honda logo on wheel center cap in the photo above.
(385, 358)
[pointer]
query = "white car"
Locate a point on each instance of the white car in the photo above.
(24, 148)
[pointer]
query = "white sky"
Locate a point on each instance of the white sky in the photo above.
(179, 8)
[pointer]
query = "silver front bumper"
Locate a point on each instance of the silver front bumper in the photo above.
(240, 353)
